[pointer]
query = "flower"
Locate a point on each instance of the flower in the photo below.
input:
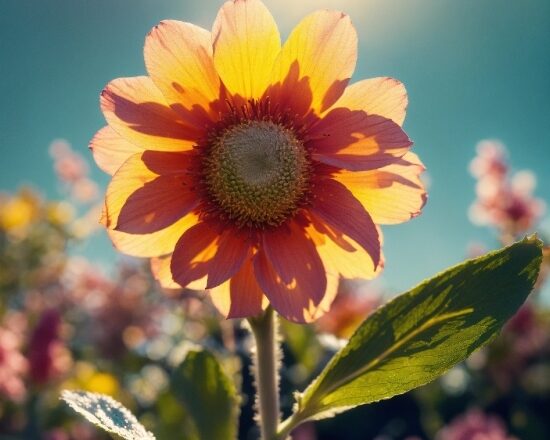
(251, 169)
(48, 357)
(13, 364)
(18, 212)
(475, 425)
(503, 202)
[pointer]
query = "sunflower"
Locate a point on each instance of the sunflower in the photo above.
(250, 168)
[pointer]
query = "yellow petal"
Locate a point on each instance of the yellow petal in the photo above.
(391, 194)
(140, 169)
(384, 96)
(111, 150)
(160, 267)
(323, 50)
(136, 109)
(353, 262)
(155, 244)
(246, 42)
(178, 57)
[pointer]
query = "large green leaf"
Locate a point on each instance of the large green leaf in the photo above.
(208, 395)
(421, 334)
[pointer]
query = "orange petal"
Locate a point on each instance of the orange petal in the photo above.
(233, 249)
(136, 109)
(111, 150)
(335, 205)
(246, 42)
(149, 192)
(383, 96)
(194, 253)
(354, 140)
(291, 273)
(155, 244)
(392, 194)
(241, 296)
(323, 50)
(178, 57)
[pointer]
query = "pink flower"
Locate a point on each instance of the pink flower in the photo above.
(13, 366)
(48, 357)
(503, 202)
(475, 425)
(68, 164)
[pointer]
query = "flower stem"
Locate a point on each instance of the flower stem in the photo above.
(266, 363)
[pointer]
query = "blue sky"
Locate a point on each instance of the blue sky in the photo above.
(474, 70)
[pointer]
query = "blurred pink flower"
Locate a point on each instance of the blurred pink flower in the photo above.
(504, 202)
(13, 365)
(48, 357)
(121, 313)
(490, 160)
(72, 170)
(85, 190)
(524, 339)
(475, 425)
(69, 165)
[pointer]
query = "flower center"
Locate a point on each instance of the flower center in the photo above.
(257, 173)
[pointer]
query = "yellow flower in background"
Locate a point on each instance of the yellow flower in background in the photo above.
(87, 378)
(249, 167)
(17, 212)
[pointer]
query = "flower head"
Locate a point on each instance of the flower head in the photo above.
(503, 202)
(249, 168)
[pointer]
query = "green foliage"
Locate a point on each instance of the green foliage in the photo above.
(208, 395)
(304, 346)
(106, 413)
(421, 334)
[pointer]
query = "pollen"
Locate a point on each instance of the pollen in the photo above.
(257, 173)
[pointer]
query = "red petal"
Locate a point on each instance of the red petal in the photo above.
(240, 297)
(151, 191)
(194, 253)
(335, 205)
(232, 250)
(298, 261)
(354, 140)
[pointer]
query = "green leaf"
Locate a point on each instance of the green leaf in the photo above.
(208, 395)
(106, 413)
(421, 334)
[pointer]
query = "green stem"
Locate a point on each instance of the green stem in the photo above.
(266, 372)
(286, 427)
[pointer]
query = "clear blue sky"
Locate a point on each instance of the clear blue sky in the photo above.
(474, 69)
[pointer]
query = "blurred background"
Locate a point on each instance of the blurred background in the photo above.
(478, 76)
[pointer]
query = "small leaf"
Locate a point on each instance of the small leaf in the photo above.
(106, 413)
(208, 395)
(421, 334)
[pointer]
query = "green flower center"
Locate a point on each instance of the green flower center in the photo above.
(257, 173)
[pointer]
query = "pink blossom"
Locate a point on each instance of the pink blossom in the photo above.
(13, 365)
(503, 201)
(48, 357)
(475, 425)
